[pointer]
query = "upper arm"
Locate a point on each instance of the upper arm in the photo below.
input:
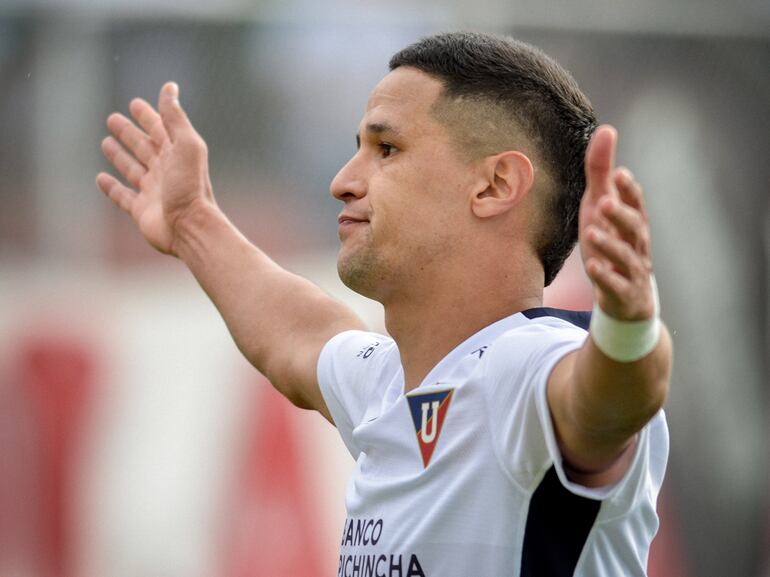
(293, 369)
(299, 380)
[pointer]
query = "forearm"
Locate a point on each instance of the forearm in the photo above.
(269, 311)
(610, 401)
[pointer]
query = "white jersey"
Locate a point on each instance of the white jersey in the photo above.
(462, 477)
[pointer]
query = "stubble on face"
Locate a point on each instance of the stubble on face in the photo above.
(361, 270)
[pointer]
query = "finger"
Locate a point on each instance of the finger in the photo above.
(117, 192)
(149, 119)
(630, 190)
(618, 253)
(131, 169)
(600, 159)
(602, 222)
(135, 140)
(627, 222)
(173, 116)
(609, 281)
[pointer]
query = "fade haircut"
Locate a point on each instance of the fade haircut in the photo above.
(496, 90)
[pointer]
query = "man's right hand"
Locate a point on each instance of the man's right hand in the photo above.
(164, 162)
(279, 320)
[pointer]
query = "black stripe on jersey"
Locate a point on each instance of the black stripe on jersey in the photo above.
(558, 524)
(578, 318)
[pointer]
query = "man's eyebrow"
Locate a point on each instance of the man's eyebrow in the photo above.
(378, 128)
(381, 128)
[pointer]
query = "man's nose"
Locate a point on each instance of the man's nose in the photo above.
(350, 181)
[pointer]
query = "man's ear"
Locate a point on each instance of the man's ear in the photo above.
(508, 179)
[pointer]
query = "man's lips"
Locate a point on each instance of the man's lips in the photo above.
(348, 222)
(344, 219)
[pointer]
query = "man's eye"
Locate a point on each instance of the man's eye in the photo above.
(386, 149)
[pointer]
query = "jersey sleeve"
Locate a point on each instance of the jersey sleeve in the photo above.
(348, 371)
(521, 424)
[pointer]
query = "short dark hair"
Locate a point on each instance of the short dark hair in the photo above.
(543, 101)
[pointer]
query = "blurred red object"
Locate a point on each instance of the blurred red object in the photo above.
(50, 385)
(272, 528)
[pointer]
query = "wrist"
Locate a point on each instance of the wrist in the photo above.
(192, 225)
(626, 341)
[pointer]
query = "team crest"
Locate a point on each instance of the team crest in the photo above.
(428, 413)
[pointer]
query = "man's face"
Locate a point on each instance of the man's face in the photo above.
(405, 191)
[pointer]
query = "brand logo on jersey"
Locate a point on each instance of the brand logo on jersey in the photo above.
(428, 413)
(480, 351)
(367, 351)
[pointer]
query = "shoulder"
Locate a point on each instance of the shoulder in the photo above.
(350, 356)
(540, 330)
(533, 345)
(358, 348)
(515, 375)
(350, 374)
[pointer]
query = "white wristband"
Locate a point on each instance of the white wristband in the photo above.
(626, 341)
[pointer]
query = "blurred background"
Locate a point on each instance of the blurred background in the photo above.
(134, 441)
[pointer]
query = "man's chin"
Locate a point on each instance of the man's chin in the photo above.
(360, 275)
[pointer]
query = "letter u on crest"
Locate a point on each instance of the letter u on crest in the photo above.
(426, 435)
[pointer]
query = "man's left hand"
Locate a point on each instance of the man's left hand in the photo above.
(614, 233)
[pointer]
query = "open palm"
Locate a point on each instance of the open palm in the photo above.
(164, 163)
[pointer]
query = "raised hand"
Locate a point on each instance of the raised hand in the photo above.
(164, 163)
(615, 234)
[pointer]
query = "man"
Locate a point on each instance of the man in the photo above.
(491, 436)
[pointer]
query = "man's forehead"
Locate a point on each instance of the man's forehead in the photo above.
(405, 90)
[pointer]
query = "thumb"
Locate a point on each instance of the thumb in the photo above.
(600, 159)
(171, 113)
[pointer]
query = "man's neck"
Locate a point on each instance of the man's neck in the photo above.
(427, 329)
